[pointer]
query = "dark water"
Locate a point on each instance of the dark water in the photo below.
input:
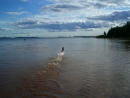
(90, 68)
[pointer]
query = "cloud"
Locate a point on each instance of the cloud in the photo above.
(17, 13)
(99, 5)
(72, 15)
(71, 7)
(61, 8)
(115, 16)
(59, 26)
(24, 0)
(116, 2)
(20, 8)
(5, 29)
(94, 9)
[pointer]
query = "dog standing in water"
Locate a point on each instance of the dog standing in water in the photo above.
(60, 55)
(62, 52)
(62, 49)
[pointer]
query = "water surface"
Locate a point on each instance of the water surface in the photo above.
(90, 68)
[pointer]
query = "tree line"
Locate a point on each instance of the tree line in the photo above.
(117, 32)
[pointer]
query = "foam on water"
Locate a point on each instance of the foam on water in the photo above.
(59, 58)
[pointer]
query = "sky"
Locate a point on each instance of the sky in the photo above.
(52, 18)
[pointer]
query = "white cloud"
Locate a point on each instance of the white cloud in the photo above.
(5, 29)
(72, 5)
(116, 2)
(24, 0)
(115, 16)
(17, 13)
(20, 8)
(60, 25)
(62, 8)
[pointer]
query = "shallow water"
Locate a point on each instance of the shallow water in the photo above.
(90, 68)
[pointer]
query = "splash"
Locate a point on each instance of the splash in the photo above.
(59, 58)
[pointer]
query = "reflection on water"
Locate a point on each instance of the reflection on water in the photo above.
(90, 68)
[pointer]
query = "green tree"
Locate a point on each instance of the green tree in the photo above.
(119, 32)
(105, 34)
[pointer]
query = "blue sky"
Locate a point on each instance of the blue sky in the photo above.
(61, 17)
